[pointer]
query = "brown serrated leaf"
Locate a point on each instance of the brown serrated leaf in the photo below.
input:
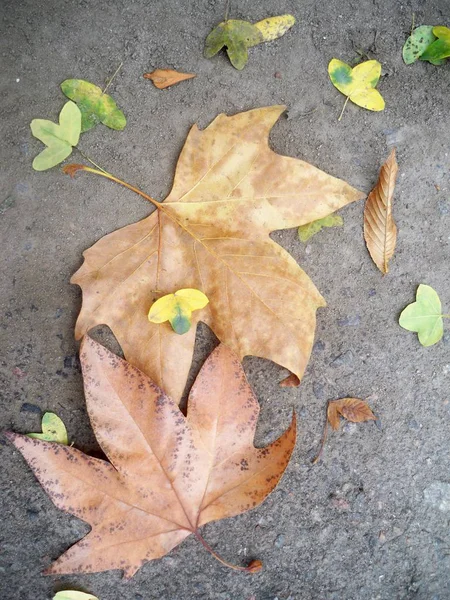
(212, 233)
(164, 78)
(352, 409)
(169, 474)
(380, 231)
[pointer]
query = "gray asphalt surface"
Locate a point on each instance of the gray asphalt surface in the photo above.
(371, 520)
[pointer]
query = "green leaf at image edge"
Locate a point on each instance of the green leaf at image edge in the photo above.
(305, 232)
(424, 316)
(95, 106)
(417, 43)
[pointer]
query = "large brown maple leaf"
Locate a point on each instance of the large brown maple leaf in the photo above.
(212, 233)
(169, 474)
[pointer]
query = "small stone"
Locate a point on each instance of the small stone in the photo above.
(32, 514)
(277, 75)
(350, 428)
(346, 358)
(319, 346)
(350, 321)
(372, 293)
(438, 495)
(279, 541)
(413, 424)
(319, 390)
(31, 408)
(444, 207)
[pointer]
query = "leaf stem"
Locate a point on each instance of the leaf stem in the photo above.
(343, 108)
(112, 78)
(219, 558)
(413, 22)
(445, 316)
(72, 169)
(322, 443)
(227, 7)
(89, 160)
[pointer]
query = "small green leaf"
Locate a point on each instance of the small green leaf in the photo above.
(417, 43)
(305, 232)
(424, 316)
(239, 35)
(73, 595)
(53, 430)
(96, 107)
(59, 138)
(440, 49)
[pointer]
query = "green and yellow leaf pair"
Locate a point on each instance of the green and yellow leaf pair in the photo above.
(427, 43)
(358, 84)
(92, 106)
(239, 35)
(177, 309)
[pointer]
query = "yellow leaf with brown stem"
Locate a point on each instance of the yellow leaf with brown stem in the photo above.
(380, 230)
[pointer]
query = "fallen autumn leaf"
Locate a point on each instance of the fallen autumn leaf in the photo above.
(380, 231)
(169, 474)
(212, 234)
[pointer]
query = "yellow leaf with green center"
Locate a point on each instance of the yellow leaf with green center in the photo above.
(358, 84)
(238, 36)
(177, 309)
(305, 232)
(59, 139)
(424, 316)
(439, 49)
(95, 106)
(53, 430)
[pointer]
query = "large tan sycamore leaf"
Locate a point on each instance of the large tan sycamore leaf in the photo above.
(168, 474)
(212, 234)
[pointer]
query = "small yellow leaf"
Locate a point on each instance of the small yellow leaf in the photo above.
(274, 27)
(177, 308)
(358, 84)
(73, 595)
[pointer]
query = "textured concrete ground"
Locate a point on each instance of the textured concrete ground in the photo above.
(371, 520)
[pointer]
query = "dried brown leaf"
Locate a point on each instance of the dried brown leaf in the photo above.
(352, 409)
(164, 78)
(169, 474)
(333, 415)
(212, 234)
(380, 231)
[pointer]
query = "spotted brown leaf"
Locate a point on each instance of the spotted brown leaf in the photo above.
(168, 474)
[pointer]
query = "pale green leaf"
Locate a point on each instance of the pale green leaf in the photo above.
(59, 138)
(305, 232)
(424, 316)
(53, 430)
(73, 595)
